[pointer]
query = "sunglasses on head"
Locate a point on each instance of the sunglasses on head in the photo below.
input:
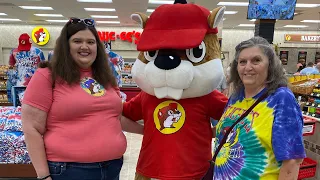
(87, 22)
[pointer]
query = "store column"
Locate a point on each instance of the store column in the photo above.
(265, 28)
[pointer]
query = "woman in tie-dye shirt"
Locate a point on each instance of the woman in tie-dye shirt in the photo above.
(268, 143)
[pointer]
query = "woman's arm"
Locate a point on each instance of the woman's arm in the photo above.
(289, 169)
(34, 126)
(131, 126)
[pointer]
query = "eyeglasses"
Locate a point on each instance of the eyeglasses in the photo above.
(87, 22)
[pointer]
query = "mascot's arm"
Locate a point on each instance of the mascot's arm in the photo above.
(132, 111)
(217, 102)
(131, 126)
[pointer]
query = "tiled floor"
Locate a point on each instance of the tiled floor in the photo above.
(131, 156)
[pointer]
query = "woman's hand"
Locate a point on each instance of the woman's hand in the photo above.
(290, 169)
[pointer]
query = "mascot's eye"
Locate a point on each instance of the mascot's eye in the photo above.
(197, 54)
(151, 55)
(170, 112)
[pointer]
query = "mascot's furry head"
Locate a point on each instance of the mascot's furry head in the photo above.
(180, 51)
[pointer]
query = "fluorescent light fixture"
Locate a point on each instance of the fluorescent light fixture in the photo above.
(233, 4)
(307, 5)
(36, 7)
(99, 16)
(60, 20)
(295, 26)
(295, 13)
(311, 21)
(100, 9)
(9, 19)
(96, 1)
(230, 12)
(150, 10)
(252, 19)
(160, 2)
(49, 15)
(3, 14)
(246, 25)
(108, 22)
(224, 19)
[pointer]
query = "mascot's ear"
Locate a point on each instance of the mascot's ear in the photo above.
(140, 18)
(216, 16)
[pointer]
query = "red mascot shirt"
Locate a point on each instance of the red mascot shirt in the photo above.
(177, 134)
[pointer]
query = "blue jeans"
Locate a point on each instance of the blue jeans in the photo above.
(107, 170)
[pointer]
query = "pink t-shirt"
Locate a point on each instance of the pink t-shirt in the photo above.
(83, 119)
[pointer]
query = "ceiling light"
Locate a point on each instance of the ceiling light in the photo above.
(3, 14)
(9, 19)
(108, 22)
(295, 13)
(49, 15)
(230, 12)
(36, 7)
(233, 4)
(96, 1)
(150, 10)
(60, 20)
(160, 2)
(246, 25)
(99, 16)
(252, 19)
(99, 9)
(311, 21)
(307, 5)
(295, 26)
(224, 19)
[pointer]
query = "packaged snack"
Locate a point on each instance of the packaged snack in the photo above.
(9, 139)
(13, 123)
(21, 156)
(3, 120)
(7, 155)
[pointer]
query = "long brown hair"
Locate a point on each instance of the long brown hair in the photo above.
(64, 67)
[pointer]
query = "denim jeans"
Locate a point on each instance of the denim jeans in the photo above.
(107, 170)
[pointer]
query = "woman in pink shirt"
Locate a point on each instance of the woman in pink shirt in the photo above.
(71, 110)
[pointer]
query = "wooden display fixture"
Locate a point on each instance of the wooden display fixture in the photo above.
(17, 171)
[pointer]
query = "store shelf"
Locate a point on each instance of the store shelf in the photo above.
(17, 171)
(309, 104)
(5, 103)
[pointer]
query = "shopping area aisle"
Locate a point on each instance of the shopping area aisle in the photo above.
(131, 156)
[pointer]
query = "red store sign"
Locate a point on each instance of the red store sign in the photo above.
(124, 36)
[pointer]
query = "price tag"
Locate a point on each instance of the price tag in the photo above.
(318, 95)
(318, 105)
(312, 104)
(311, 94)
(313, 115)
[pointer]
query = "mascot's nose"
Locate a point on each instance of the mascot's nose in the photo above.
(167, 62)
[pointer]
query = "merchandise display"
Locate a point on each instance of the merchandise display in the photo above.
(25, 60)
(307, 92)
(12, 146)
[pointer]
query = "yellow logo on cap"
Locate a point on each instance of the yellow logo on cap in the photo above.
(40, 36)
(288, 37)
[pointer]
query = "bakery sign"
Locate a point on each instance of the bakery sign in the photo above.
(303, 38)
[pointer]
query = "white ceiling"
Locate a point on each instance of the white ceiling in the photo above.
(124, 8)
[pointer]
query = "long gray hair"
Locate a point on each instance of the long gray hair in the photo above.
(275, 76)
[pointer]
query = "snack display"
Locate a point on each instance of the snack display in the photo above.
(12, 144)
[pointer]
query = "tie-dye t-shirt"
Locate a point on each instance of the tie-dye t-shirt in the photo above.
(26, 63)
(256, 147)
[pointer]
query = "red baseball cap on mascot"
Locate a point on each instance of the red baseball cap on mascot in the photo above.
(175, 26)
(24, 42)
